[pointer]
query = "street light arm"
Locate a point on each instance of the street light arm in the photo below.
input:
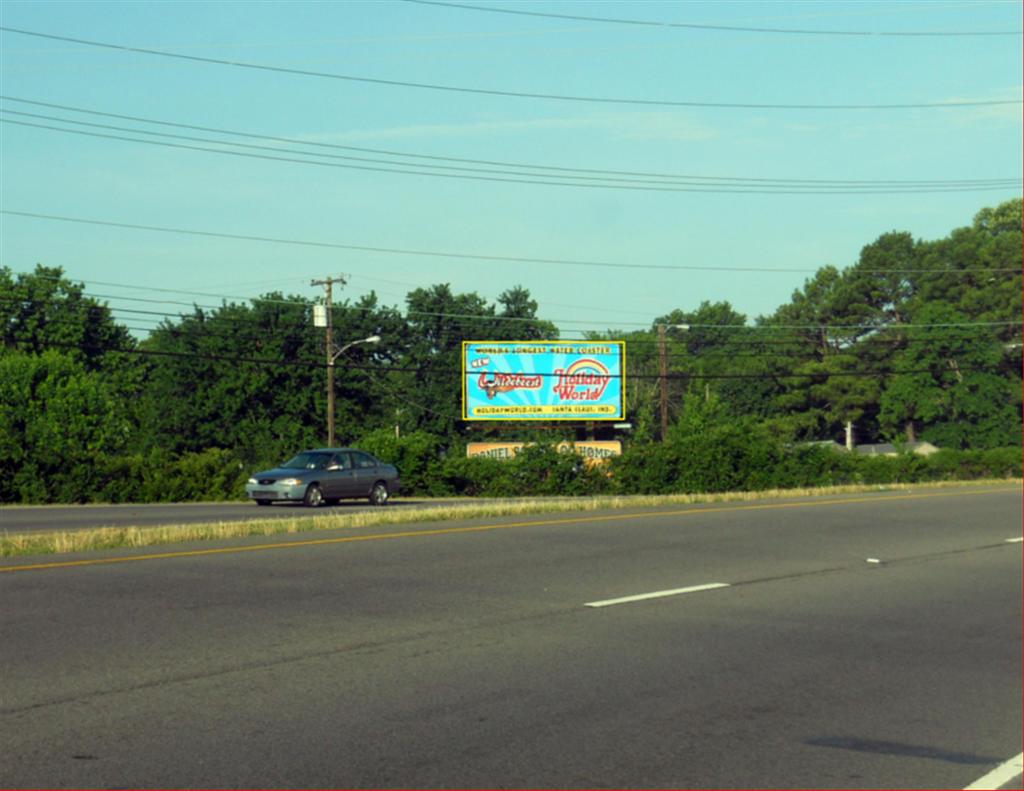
(347, 346)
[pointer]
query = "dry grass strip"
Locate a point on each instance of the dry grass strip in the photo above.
(61, 542)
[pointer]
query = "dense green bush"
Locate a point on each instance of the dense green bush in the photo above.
(721, 457)
(903, 468)
(809, 465)
(687, 466)
(536, 470)
(645, 468)
(474, 477)
(417, 455)
(727, 457)
(123, 479)
(545, 470)
(964, 465)
(710, 451)
(56, 419)
(212, 475)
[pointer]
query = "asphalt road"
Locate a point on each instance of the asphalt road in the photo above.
(492, 653)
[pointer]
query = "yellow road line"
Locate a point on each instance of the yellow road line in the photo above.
(481, 528)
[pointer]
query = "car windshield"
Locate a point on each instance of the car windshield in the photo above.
(308, 461)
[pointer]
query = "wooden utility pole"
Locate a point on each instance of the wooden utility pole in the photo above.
(328, 284)
(663, 367)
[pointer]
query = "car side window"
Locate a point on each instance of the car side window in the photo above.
(343, 461)
(364, 460)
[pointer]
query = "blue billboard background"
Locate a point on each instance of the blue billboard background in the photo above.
(543, 380)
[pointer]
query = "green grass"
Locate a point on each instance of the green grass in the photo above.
(60, 542)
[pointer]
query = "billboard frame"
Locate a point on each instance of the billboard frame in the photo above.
(620, 415)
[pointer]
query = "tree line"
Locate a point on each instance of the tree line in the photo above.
(917, 340)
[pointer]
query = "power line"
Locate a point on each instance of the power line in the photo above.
(794, 348)
(191, 355)
(538, 320)
(546, 170)
(733, 348)
(498, 318)
(491, 317)
(843, 327)
(476, 256)
(587, 182)
(502, 93)
(395, 393)
(723, 28)
(494, 317)
(794, 345)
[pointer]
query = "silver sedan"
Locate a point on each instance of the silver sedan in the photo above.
(325, 476)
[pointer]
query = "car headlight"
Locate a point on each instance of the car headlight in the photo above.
(252, 481)
(289, 481)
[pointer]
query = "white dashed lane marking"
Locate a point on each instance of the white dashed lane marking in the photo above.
(999, 776)
(657, 594)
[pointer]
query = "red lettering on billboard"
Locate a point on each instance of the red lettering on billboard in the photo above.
(584, 380)
(494, 383)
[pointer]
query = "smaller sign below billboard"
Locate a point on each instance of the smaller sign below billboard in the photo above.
(594, 451)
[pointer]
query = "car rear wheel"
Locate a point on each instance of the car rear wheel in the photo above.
(379, 494)
(314, 497)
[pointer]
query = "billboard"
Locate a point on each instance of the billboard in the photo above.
(543, 380)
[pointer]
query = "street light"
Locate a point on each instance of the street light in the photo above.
(333, 355)
(347, 346)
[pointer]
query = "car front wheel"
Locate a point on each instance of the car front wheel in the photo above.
(314, 497)
(379, 494)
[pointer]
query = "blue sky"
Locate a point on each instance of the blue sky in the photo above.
(118, 181)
